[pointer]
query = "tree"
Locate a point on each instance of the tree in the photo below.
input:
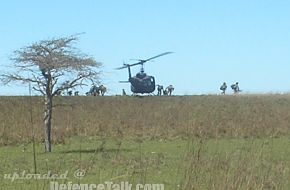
(52, 66)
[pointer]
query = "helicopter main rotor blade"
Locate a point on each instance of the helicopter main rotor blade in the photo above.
(162, 54)
(142, 61)
(136, 59)
(123, 81)
(123, 67)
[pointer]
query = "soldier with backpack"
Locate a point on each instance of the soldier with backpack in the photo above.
(223, 88)
(236, 88)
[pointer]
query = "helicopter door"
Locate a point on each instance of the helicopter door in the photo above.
(152, 85)
(153, 81)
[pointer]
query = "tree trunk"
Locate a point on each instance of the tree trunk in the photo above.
(47, 122)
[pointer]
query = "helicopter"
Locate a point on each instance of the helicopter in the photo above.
(141, 83)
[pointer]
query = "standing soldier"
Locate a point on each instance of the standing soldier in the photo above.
(124, 92)
(159, 89)
(223, 88)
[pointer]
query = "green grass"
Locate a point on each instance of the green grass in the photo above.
(179, 164)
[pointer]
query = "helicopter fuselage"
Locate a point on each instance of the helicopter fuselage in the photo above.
(142, 83)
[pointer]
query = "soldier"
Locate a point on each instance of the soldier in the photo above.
(223, 88)
(170, 89)
(76, 93)
(91, 89)
(159, 89)
(165, 92)
(94, 90)
(124, 92)
(235, 87)
(102, 90)
(69, 93)
(58, 93)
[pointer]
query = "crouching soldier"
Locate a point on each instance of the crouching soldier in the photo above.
(236, 88)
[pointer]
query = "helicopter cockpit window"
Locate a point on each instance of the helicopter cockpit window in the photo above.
(146, 82)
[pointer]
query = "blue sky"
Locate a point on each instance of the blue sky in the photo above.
(214, 41)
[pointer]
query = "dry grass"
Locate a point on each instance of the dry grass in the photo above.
(149, 117)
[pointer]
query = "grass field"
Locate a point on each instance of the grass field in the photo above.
(183, 142)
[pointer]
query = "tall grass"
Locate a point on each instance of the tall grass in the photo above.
(151, 117)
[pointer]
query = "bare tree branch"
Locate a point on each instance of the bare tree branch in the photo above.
(45, 65)
(38, 90)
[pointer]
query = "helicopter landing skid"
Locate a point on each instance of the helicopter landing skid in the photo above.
(142, 95)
